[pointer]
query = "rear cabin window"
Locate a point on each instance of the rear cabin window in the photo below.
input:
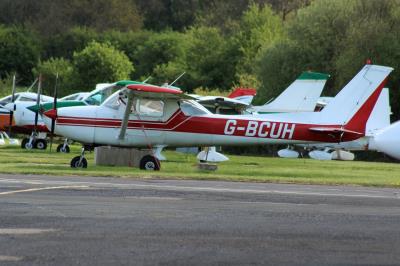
(192, 108)
(147, 107)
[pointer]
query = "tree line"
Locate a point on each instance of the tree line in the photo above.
(219, 44)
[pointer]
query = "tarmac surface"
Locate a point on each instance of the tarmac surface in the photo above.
(49, 220)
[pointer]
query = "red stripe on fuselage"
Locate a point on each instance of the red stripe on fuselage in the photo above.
(217, 126)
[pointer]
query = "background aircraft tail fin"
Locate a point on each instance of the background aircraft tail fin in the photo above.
(245, 95)
(301, 96)
(380, 116)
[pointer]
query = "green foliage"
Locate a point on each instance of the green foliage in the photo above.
(64, 44)
(128, 42)
(99, 63)
(373, 33)
(161, 55)
(53, 16)
(259, 29)
(49, 70)
(5, 86)
(279, 66)
(19, 53)
(334, 37)
(210, 59)
(208, 92)
(247, 81)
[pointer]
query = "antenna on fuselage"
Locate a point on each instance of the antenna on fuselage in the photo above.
(33, 84)
(181, 75)
(144, 81)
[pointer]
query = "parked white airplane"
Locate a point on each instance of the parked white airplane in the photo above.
(13, 113)
(144, 115)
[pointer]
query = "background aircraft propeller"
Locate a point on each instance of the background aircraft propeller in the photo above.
(39, 91)
(53, 120)
(13, 107)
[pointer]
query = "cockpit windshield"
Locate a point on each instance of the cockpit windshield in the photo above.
(193, 108)
(97, 98)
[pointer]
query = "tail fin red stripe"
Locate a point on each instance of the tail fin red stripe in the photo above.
(359, 121)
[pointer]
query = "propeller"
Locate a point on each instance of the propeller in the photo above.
(53, 120)
(13, 108)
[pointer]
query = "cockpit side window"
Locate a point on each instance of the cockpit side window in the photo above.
(99, 97)
(5, 100)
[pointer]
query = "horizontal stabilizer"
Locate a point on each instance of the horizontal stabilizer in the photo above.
(334, 131)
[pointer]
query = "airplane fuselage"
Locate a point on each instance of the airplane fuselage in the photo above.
(102, 124)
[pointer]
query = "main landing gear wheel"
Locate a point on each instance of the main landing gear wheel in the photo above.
(62, 148)
(78, 162)
(150, 163)
(40, 144)
(25, 144)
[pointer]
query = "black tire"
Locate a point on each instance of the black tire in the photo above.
(25, 144)
(75, 162)
(150, 163)
(40, 144)
(60, 148)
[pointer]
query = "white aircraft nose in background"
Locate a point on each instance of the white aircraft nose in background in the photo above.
(388, 140)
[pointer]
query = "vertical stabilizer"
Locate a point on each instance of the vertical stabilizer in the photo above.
(353, 105)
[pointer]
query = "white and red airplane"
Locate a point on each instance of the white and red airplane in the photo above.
(142, 115)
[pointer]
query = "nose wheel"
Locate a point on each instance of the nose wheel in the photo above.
(79, 161)
(150, 163)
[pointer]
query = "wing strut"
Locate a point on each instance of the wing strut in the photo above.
(124, 124)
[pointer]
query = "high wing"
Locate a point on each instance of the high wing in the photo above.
(158, 92)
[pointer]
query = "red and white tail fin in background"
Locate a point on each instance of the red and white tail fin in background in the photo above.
(245, 95)
(380, 116)
(353, 105)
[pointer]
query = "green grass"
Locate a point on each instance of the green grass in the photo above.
(182, 166)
